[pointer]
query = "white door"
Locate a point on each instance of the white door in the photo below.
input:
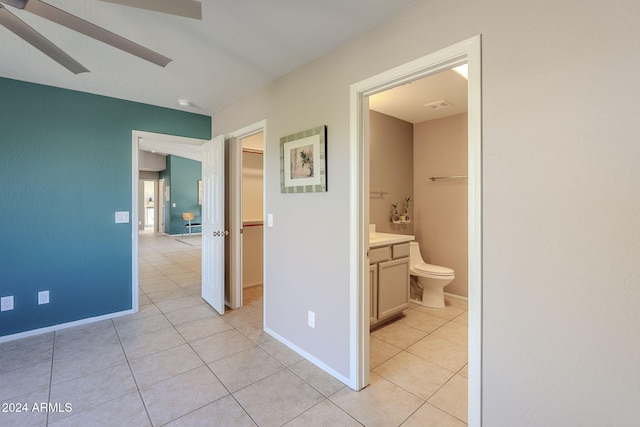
(213, 232)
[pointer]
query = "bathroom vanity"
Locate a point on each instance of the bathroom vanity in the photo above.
(388, 275)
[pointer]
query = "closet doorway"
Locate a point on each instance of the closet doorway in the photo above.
(252, 211)
(245, 212)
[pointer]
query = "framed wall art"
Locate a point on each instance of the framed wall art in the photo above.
(303, 161)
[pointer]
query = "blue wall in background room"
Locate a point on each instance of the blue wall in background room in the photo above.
(183, 174)
(65, 169)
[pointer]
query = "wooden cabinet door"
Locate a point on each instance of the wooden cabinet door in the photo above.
(393, 287)
(373, 293)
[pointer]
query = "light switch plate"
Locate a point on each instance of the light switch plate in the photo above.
(312, 319)
(122, 217)
(269, 220)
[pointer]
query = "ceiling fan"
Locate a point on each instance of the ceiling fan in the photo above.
(186, 8)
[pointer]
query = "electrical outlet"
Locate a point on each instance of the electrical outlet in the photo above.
(43, 297)
(312, 319)
(6, 303)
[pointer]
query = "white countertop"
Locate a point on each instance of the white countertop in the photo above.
(384, 239)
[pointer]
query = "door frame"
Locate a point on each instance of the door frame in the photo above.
(160, 201)
(141, 203)
(178, 145)
(235, 209)
(468, 51)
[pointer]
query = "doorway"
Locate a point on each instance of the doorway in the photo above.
(147, 142)
(245, 211)
(419, 131)
(191, 148)
(148, 206)
(468, 52)
(252, 211)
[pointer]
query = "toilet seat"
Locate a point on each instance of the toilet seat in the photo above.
(434, 270)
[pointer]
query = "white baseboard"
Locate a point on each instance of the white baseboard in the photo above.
(44, 330)
(309, 357)
(454, 296)
(251, 285)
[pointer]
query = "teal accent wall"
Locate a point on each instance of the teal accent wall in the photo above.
(184, 175)
(65, 169)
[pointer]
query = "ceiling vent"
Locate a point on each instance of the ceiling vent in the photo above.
(438, 104)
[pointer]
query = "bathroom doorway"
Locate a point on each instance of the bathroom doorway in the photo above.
(418, 159)
(468, 52)
(418, 131)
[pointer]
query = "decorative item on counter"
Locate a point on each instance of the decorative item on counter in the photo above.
(395, 218)
(406, 216)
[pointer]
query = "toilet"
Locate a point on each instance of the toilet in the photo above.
(427, 280)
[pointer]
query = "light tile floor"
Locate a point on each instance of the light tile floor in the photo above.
(177, 363)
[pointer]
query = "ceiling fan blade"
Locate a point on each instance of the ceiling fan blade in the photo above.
(186, 8)
(37, 40)
(68, 20)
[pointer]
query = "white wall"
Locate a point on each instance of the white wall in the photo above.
(252, 216)
(561, 302)
(440, 207)
(252, 187)
(390, 171)
(151, 162)
(252, 255)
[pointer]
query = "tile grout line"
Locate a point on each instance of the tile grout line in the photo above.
(109, 367)
(404, 350)
(144, 404)
(289, 368)
(324, 398)
(229, 393)
(53, 354)
(284, 367)
(258, 345)
(414, 412)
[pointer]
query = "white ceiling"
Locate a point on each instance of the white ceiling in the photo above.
(237, 48)
(164, 145)
(408, 102)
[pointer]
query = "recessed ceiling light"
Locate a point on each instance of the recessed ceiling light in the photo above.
(438, 104)
(184, 102)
